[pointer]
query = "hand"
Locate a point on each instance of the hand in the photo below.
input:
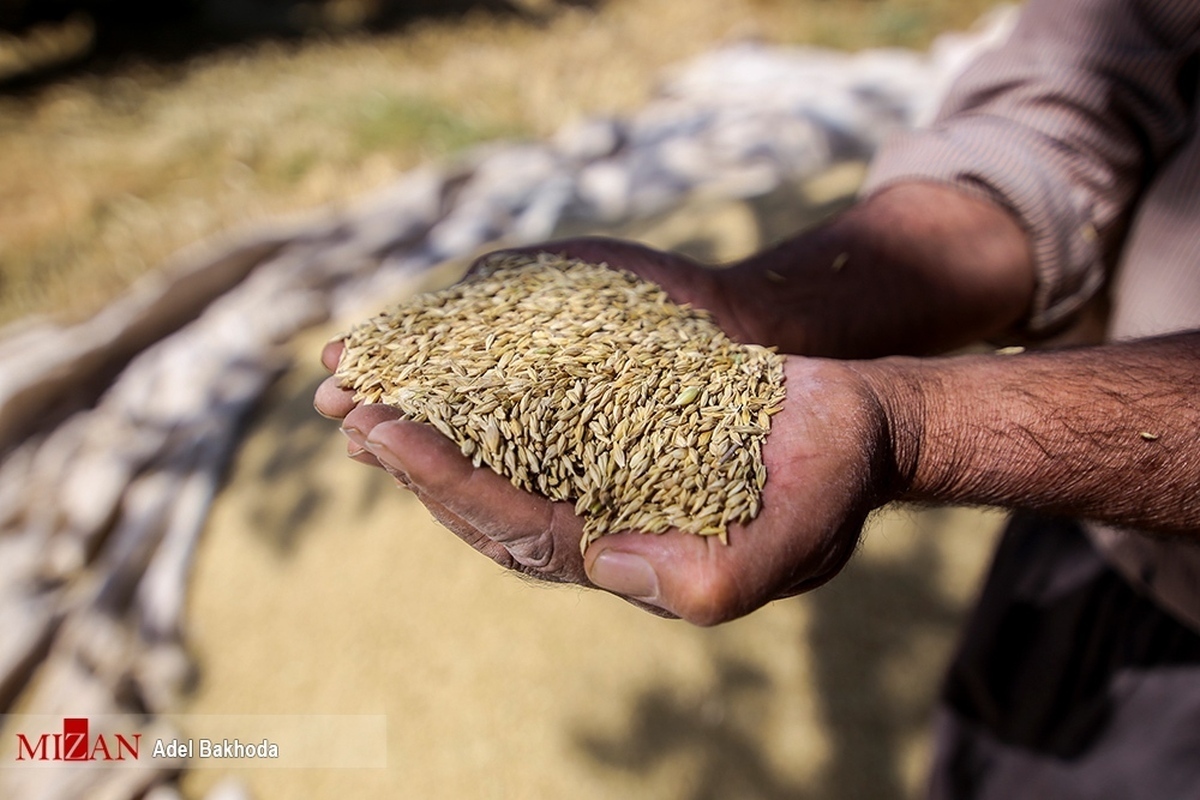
(825, 458)
(917, 268)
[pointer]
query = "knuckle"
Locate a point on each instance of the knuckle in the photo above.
(543, 553)
(535, 552)
(531, 545)
(711, 600)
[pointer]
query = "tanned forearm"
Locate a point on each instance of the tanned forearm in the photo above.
(917, 269)
(1107, 433)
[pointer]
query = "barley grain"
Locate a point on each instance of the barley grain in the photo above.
(585, 384)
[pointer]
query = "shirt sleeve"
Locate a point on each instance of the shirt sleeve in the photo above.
(1064, 125)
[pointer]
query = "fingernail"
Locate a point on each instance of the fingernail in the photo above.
(625, 573)
(354, 435)
(383, 453)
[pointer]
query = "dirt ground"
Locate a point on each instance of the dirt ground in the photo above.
(320, 588)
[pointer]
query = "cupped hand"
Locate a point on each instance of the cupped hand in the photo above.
(825, 458)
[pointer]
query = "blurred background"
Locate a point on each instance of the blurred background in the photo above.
(132, 131)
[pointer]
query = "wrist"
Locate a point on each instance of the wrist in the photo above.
(897, 388)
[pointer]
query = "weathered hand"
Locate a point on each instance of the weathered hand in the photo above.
(825, 460)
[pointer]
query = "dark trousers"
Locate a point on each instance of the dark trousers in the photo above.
(1068, 683)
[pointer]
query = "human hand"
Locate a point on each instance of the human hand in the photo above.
(826, 463)
(917, 268)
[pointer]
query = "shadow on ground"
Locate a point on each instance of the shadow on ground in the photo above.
(709, 730)
(877, 620)
(876, 617)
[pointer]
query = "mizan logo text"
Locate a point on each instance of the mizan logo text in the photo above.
(75, 743)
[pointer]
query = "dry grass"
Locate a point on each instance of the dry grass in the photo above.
(106, 176)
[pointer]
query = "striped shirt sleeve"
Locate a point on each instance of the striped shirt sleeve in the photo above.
(1065, 125)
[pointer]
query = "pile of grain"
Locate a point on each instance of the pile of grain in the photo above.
(581, 383)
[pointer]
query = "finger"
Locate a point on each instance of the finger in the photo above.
(541, 535)
(468, 533)
(332, 401)
(358, 424)
(694, 577)
(331, 353)
(449, 520)
(481, 543)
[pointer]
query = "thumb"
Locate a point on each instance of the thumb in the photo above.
(696, 578)
(621, 572)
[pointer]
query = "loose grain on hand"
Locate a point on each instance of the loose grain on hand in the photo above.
(581, 383)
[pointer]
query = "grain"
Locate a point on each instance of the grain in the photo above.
(584, 384)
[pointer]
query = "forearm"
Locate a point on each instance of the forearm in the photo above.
(919, 268)
(1106, 433)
